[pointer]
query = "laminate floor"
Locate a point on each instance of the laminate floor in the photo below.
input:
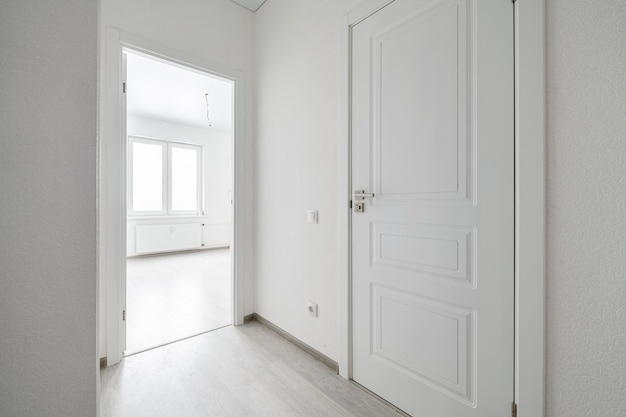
(173, 296)
(244, 371)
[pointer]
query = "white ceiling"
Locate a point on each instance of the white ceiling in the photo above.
(250, 4)
(159, 90)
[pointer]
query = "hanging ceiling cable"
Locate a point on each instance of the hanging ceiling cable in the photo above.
(206, 99)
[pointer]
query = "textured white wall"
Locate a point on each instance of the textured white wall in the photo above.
(586, 305)
(218, 31)
(48, 362)
(297, 46)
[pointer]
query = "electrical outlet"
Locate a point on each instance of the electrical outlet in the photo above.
(311, 308)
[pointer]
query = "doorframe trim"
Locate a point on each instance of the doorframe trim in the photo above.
(112, 181)
(530, 206)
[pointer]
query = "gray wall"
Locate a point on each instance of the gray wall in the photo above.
(586, 305)
(48, 361)
(298, 129)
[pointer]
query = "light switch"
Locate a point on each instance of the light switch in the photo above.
(311, 216)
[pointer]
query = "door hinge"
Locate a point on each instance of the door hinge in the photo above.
(350, 204)
(123, 315)
(124, 88)
(513, 405)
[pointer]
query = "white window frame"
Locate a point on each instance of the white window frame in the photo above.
(167, 146)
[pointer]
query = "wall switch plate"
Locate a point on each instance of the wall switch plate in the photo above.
(311, 308)
(311, 216)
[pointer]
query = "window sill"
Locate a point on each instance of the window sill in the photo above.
(164, 217)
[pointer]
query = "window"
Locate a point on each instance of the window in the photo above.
(164, 178)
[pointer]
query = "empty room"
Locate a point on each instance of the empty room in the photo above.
(179, 125)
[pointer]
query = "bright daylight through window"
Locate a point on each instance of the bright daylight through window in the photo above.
(164, 177)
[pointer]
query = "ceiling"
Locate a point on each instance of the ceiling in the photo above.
(250, 4)
(168, 92)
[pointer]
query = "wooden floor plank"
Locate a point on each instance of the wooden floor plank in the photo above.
(176, 295)
(236, 372)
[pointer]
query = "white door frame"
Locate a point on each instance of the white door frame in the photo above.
(112, 193)
(529, 202)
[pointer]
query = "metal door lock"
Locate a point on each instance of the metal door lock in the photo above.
(359, 207)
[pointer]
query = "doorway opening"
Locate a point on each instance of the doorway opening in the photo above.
(179, 145)
(114, 195)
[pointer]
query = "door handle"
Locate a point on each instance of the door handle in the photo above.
(360, 195)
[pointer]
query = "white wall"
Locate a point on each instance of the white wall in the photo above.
(298, 126)
(217, 155)
(48, 361)
(216, 31)
(586, 307)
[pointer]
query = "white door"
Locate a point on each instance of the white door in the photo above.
(433, 250)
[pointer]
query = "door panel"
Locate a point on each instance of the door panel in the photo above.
(435, 351)
(432, 253)
(437, 252)
(418, 57)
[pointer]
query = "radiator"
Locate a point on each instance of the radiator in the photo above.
(167, 238)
